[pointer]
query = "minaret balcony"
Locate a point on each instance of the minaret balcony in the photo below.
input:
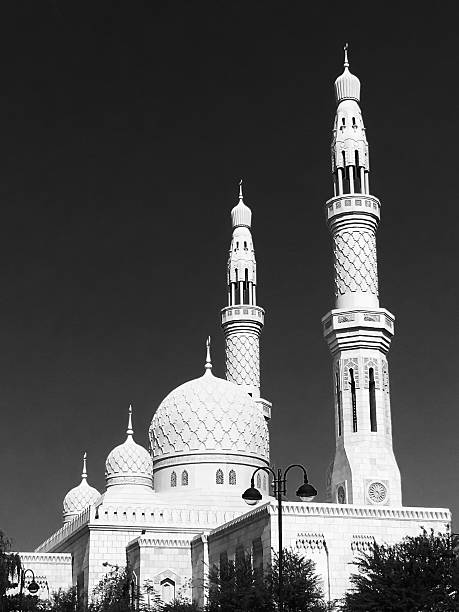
(243, 312)
(353, 203)
(346, 329)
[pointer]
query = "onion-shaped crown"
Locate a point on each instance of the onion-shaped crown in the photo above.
(129, 463)
(209, 415)
(241, 215)
(80, 497)
(347, 85)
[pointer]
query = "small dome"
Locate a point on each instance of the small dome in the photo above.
(241, 215)
(209, 415)
(80, 497)
(129, 463)
(347, 85)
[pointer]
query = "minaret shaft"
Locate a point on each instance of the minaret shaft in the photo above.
(358, 331)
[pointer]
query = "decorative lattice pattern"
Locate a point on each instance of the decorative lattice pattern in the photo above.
(232, 477)
(209, 414)
(79, 498)
(377, 492)
(173, 479)
(355, 262)
(184, 478)
(243, 359)
(129, 459)
(219, 477)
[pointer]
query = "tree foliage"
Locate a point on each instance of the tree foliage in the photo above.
(237, 587)
(419, 574)
(301, 585)
(10, 570)
(113, 592)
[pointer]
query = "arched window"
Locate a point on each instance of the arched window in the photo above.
(232, 477)
(173, 479)
(338, 405)
(258, 481)
(265, 485)
(372, 394)
(354, 400)
(184, 478)
(219, 477)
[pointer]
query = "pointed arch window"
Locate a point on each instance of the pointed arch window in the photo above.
(258, 481)
(338, 405)
(372, 397)
(232, 477)
(219, 477)
(184, 478)
(354, 400)
(173, 479)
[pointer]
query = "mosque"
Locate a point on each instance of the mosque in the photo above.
(176, 509)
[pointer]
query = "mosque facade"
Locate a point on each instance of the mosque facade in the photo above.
(177, 510)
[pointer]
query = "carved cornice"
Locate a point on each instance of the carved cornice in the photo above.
(51, 558)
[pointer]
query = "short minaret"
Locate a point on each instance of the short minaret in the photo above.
(358, 331)
(243, 319)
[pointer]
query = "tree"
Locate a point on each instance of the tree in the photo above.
(10, 570)
(235, 586)
(113, 592)
(419, 574)
(301, 589)
(238, 587)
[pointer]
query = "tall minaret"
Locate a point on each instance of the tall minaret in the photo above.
(242, 319)
(358, 331)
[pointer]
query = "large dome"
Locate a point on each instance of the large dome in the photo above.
(209, 415)
(129, 463)
(80, 497)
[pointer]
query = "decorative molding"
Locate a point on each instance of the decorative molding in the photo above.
(48, 558)
(311, 541)
(347, 364)
(242, 358)
(371, 362)
(362, 543)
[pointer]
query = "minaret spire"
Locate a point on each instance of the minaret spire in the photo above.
(84, 474)
(346, 60)
(243, 319)
(357, 330)
(129, 429)
(208, 365)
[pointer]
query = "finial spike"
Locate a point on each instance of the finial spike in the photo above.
(129, 430)
(346, 59)
(240, 191)
(84, 474)
(208, 365)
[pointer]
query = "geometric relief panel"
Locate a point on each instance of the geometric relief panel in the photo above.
(347, 365)
(368, 363)
(355, 262)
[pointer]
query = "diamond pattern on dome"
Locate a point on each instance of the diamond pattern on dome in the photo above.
(209, 414)
(79, 498)
(127, 459)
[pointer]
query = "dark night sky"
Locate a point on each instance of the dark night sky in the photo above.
(125, 127)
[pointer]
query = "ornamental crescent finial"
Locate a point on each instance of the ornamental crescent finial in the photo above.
(129, 429)
(346, 59)
(240, 191)
(208, 365)
(84, 473)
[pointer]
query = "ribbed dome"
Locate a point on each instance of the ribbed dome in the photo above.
(241, 215)
(80, 497)
(209, 415)
(347, 85)
(129, 463)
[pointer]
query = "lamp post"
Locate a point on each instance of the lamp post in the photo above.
(33, 587)
(306, 492)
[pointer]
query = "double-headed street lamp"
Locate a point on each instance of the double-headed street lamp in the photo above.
(306, 492)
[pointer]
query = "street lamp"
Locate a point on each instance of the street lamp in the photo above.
(33, 587)
(306, 492)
